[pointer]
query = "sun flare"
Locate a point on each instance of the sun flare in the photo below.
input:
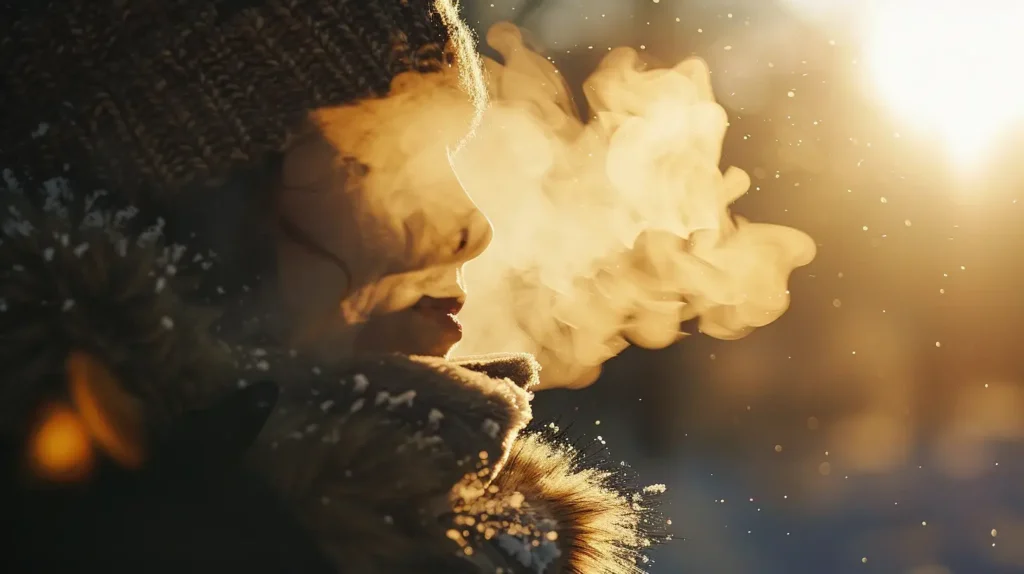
(949, 69)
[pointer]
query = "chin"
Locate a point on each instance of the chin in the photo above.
(413, 331)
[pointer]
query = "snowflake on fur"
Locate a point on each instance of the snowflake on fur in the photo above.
(80, 274)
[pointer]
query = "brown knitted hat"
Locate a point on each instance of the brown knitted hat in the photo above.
(145, 96)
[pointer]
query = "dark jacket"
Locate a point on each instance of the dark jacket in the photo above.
(383, 464)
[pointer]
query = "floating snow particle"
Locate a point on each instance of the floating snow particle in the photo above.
(3, 305)
(263, 365)
(242, 383)
(68, 304)
(361, 383)
(326, 405)
(166, 322)
(357, 406)
(160, 283)
(48, 253)
(80, 249)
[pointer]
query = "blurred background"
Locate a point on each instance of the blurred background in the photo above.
(877, 426)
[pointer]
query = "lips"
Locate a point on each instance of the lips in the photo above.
(446, 305)
(440, 308)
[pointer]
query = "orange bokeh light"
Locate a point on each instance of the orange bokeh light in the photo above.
(60, 449)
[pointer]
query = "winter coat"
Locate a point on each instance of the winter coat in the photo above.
(382, 464)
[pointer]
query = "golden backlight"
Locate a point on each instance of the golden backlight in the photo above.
(950, 69)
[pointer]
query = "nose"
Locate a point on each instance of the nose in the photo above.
(474, 238)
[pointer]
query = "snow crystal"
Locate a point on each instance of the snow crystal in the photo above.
(58, 192)
(434, 417)
(3, 305)
(655, 489)
(160, 283)
(41, 130)
(361, 383)
(263, 365)
(152, 233)
(122, 216)
(80, 249)
(356, 406)
(395, 401)
(490, 428)
(18, 226)
(68, 304)
(326, 405)
(177, 251)
(10, 180)
(166, 322)
(48, 253)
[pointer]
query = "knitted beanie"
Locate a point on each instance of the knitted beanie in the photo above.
(146, 96)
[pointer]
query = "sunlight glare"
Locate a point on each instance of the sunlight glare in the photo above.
(950, 68)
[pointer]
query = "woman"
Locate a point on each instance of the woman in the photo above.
(202, 195)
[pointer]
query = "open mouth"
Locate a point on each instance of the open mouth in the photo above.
(440, 309)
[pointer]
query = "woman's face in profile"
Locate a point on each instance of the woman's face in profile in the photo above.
(374, 229)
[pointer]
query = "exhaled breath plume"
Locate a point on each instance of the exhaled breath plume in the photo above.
(615, 230)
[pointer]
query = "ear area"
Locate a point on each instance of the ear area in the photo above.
(225, 430)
